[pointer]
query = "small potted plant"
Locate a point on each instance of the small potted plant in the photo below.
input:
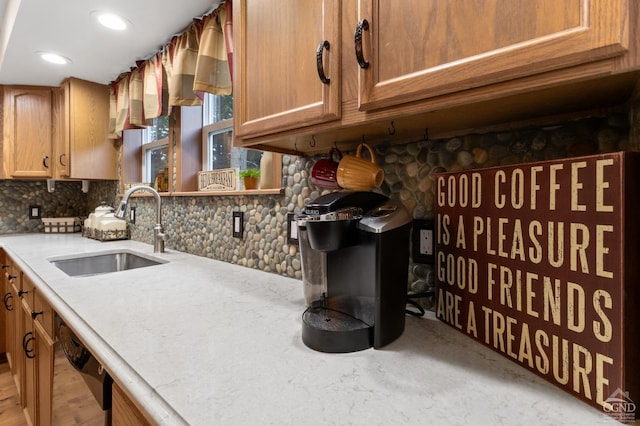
(250, 178)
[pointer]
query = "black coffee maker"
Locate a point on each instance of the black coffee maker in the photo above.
(354, 248)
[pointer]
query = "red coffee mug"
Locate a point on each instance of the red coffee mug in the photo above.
(323, 172)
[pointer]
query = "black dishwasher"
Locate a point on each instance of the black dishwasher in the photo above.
(97, 380)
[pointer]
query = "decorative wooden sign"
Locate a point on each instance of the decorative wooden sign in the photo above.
(218, 180)
(541, 263)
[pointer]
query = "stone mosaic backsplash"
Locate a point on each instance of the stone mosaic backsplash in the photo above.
(201, 225)
(16, 196)
(67, 200)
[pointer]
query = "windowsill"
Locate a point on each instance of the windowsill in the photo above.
(270, 191)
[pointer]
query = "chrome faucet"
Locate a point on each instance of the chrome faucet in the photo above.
(158, 232)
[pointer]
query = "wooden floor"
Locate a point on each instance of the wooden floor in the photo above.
(10, 410)
(73, 402)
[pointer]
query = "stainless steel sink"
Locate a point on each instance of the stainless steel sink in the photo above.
(103, 263)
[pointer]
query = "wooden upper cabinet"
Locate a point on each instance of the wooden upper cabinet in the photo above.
(277, 85)
(27, 132)
(83, 150)
(418, 49)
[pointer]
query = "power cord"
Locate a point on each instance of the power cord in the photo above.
(420, 310)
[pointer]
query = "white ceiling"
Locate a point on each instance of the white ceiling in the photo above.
(66, 27)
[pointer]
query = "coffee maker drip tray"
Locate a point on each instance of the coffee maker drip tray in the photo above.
(329, 330)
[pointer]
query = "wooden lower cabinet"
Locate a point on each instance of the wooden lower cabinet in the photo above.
(29, 325)
(124, 411)
(34, 356)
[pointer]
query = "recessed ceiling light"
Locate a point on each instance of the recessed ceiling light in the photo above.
(111, 21)
(54, 58)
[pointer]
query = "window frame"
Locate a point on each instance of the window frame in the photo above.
(216, 128)
(149, 146)
(187, 150)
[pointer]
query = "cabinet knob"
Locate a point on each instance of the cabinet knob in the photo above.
(319, 64)
(7, 299)
(11, 277)
(5, 266)
(362, 25)
(35, 314)
(45, 160)
(21, 292)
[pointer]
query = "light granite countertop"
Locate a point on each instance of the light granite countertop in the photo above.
(202, 342)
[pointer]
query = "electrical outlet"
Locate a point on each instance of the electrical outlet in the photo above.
(426, 242)
(422, 241)
(35, 212)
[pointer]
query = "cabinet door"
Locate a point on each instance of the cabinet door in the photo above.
(124, 411)
(91, 154)
(418, 49)
(62, 150)
(28, 353)
(28, 134)
(276, 79)
(45, 353)
(15, 344)
(11, 304)
(4, 292)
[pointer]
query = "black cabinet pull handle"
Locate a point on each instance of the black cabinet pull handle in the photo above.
(11, 277)
(323, 45)
(28, 338)
(63, 155)
(21, 292)
(362, 25)
(7, 299)
(44, 161)
(35, 314)
(5, 266)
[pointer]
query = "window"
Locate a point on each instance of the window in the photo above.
(190, 140)
(155, 149)
(218, 150)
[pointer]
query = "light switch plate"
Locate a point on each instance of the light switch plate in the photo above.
(292, 229)
(423, 241)
(238, 224)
